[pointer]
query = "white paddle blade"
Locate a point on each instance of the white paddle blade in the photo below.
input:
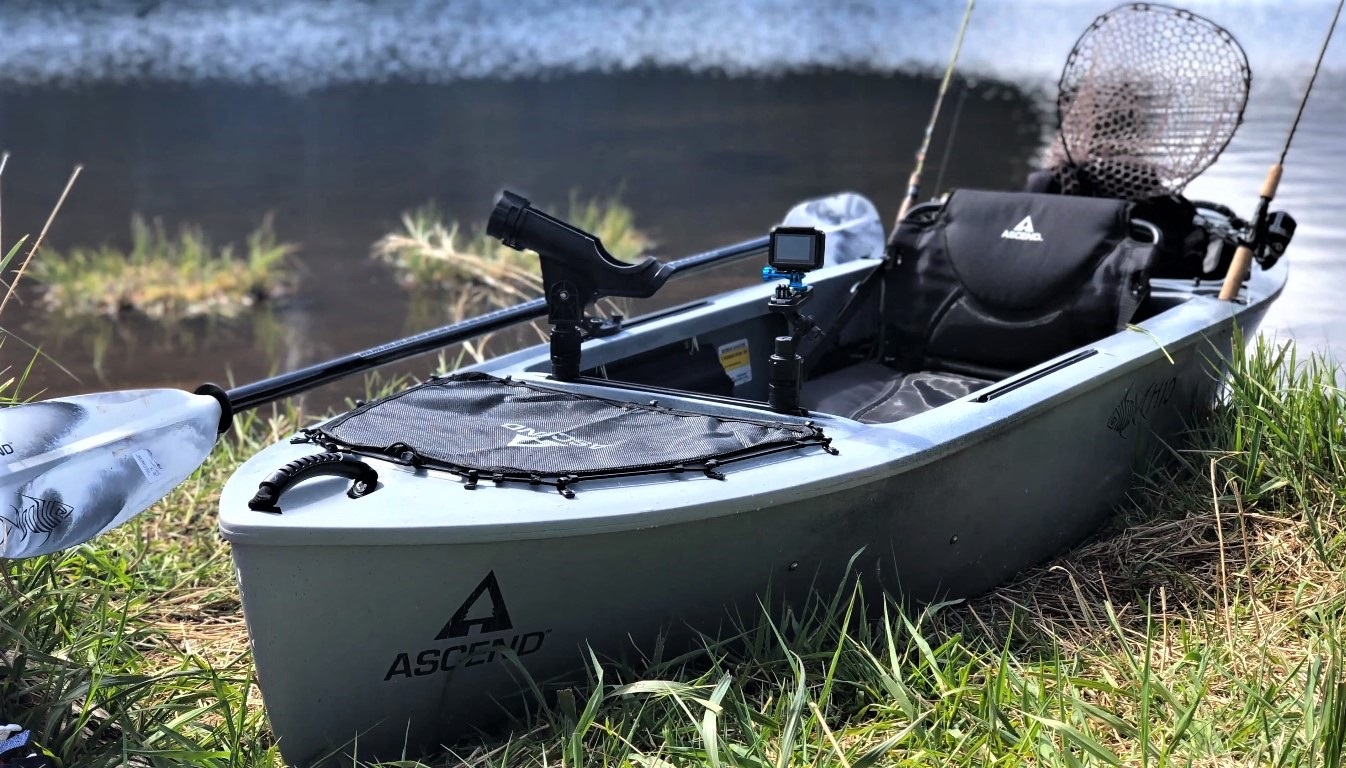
(74, 467)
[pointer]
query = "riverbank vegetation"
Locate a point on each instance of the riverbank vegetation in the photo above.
(1203, 627)
(11, 380)
(167, 275)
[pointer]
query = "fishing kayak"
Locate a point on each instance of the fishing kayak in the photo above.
(936, 414)
(927, 410)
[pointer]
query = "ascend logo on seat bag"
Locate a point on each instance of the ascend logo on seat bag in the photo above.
(1022, 231)
(483, 613)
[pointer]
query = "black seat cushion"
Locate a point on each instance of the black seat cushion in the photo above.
(876, 394)
(991, 283)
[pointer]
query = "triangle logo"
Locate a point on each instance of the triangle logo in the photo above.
(532, 441)
(1022, 231)
(461, 623)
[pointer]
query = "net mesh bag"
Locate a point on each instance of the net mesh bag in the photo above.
(502, 430)
(1149, 98)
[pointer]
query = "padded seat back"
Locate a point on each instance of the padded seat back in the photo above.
(991, 283)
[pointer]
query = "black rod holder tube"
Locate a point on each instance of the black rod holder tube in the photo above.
(292, 383)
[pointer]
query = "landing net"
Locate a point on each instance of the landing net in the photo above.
(1149, 98)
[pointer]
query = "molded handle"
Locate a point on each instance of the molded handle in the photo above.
(349, 465)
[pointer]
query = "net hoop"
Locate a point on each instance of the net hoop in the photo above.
(1149, 97)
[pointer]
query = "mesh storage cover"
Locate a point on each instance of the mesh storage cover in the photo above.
(484, 427)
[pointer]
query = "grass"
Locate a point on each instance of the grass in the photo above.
(11, 381)
(165, 275)
(130, 649)
(1203, 628)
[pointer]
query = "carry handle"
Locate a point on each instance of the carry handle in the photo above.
(348, 465)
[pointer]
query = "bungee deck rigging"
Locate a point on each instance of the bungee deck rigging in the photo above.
(483, 428)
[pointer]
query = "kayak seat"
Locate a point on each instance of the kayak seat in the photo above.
(986, 285)
(989, 284)
(873, 393)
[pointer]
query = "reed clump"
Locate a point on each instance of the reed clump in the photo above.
(429, 253)
(166, 275)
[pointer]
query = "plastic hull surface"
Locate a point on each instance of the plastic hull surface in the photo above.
(417, 613)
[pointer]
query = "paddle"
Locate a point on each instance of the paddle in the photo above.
(74, 467)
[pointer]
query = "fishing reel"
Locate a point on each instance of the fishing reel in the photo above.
(1271, 242)
(1227, 231)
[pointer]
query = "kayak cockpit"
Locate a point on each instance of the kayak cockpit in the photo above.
(968, 292)
(972, 298)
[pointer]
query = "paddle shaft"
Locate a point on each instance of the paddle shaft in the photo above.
(1243, 256)
(914, 181)
(304, 379)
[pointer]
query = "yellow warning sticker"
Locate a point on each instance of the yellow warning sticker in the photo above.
(737, 361)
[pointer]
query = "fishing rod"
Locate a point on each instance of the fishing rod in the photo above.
(914, 182)
(74, 467)
(1243, 256)
(953, 133)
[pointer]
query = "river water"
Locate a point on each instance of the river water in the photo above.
(710, 120)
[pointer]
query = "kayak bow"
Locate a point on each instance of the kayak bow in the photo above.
(74, 467)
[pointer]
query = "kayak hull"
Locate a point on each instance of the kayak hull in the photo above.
(397, 622)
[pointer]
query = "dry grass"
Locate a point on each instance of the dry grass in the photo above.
(165, 275)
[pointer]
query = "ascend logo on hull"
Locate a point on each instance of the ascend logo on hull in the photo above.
(482, 613)
(463, 621)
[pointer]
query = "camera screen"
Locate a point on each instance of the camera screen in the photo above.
(796, 250)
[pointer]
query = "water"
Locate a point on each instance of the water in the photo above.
(711, 119)
(1310, 311)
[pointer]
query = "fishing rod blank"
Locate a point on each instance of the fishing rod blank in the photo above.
(1242, 262)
